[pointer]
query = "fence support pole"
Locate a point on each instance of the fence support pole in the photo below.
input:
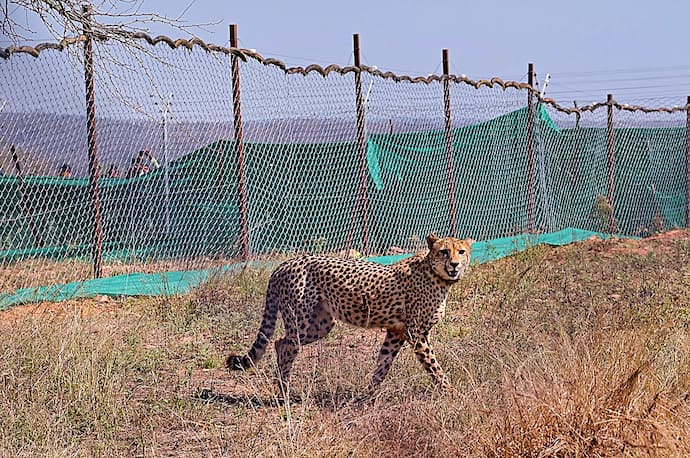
(361, 202)
(239, 145)
(221, 170)
(530, 148)
(449, 144)
(576, 147)
(26, 207)
(687, 164)
(609, 145)
(91, 140)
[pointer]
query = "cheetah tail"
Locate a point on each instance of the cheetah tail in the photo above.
(263, 337)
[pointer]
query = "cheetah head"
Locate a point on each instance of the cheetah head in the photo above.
(448, 256)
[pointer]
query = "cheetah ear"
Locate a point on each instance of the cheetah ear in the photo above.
(431, 239)
(470, 241)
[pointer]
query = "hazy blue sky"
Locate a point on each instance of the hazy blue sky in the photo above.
(637, 50)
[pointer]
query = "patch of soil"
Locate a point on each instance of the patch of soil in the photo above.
(258, 387)
(57, 310)
(661, 243)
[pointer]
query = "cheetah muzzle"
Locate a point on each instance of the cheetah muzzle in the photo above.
(407, 299)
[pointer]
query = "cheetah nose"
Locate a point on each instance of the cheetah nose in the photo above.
(454, 265)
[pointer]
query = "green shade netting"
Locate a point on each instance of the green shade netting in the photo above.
(173, 283)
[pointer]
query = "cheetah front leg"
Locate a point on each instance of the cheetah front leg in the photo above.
(425, 355)
(389, 350)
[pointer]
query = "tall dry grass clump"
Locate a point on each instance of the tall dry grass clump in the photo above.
(62, 380)
(588, 351)
(598, 395)
(573, 398)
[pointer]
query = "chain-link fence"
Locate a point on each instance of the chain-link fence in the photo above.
(207, 155)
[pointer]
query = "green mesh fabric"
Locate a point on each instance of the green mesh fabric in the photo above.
(133, 212)
(182, 282)
(300, 206)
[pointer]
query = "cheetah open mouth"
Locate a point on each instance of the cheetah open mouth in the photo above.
(453, 273)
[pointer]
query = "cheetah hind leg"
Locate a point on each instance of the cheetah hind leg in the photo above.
(263, 336)
(318, 326)
(286, 352)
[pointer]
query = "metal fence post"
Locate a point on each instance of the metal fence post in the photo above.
(26, 207)
(530, 148)
(576, 146)
(239, 145)
(221, 169)
(687, 164)
(609, 145)
(92, 145)
(449, 143)
(361, 201)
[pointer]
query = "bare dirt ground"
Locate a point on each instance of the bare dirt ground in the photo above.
(659, 243)
(58, 310)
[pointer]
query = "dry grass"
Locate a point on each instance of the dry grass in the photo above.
(577, 351)
(40, 272)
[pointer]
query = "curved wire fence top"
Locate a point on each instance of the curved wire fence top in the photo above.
(144, 46)
(200, 163)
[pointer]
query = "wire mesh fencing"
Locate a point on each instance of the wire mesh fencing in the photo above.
(205, 155)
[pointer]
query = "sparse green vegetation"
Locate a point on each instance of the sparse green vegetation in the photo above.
(582, 350)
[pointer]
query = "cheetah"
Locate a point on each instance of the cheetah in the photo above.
(406, 299)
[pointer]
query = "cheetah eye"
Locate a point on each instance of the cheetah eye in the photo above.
(444, 252)
(461, 251)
